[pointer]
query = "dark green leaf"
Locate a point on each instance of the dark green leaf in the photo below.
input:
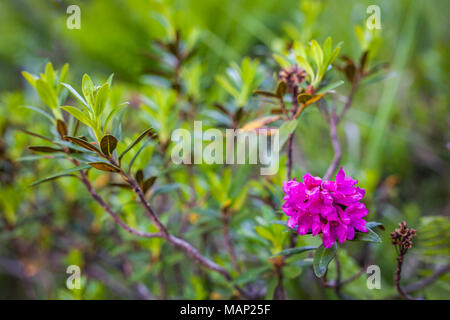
(280, 91)
(373, 224)
(104, 166)
(370, 236)
(267, 94)
(148, 183)
(62, 128)
(322, 258)
(44, 149)
(83, 144)
(140, 177)
(108, 144)
(303, 97)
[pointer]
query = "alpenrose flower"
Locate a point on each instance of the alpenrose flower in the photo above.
(331, 208)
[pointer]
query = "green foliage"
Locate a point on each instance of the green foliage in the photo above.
(322, 257)
(176, 62)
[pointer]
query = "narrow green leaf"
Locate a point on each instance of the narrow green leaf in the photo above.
(305, 65)
(78, 114)
(77, 95)
(150, 132)
(330, 86)
(47, 94)
(83, 144)
(62, 173)
(148, 183)
(370, 236)
(110, 79)
(42, 112)
(282, 61)
(317, 53)
(297, 250)
(31, 78)
(61, 128)
(87, 87)
(50, 74)
(322, 258)
(112, 113)
(101, 98)
(267, 94)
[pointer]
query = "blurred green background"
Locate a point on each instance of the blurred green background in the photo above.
(395, 140)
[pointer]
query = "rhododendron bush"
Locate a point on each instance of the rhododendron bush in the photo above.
(116, 159)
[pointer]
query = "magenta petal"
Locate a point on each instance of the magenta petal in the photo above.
(328, 241)
(350, 233)
(341, 232)
(359, 224)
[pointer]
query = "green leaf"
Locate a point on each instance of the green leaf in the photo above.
(50, 74)
(373, 224)
(297, 250)
(104, 166)
(150, 132)
(112, 113)
(317, 53)
(148, 183)
(282, 61)
(42, 112)
(164, 189)
(305, 65)
(87, 87)
(286, 130)
(61, 128)
(47, 94)
(303, 97)
(83, 144)
(78, 114)
(108, 144)
(31, 78)
(330, 86)
(322, 258)
(101, 98)
(63, 173)
(370, 236)
(110, 79)
(327, 48)
(63, 73)
(250, 275)
(227, 86)
(77, 96)
(281, 89)
(264, 93)
(44, 149)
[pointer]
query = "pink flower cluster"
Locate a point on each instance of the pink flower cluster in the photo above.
(332, 208)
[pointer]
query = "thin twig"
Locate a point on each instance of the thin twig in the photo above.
(429, 280)
(397, 278)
